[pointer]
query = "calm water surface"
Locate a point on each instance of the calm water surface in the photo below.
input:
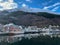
(15, 38)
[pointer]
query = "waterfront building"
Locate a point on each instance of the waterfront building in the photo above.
(51, 30)
(31, 29)
(1, 28)
(11, 27)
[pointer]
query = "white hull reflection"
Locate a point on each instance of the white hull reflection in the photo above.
(15, 38)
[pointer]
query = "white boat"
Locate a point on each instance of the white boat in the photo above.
(12, 33)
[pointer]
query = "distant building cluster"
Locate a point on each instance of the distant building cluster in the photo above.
(51, 30)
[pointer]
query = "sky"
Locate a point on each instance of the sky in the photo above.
(31, 5)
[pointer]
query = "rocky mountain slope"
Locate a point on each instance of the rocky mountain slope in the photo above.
(40, 19)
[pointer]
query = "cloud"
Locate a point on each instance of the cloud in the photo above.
(29, 1)
(42, 10)
(56, 4)
(35, 10)
(30, 9)
(47, 7)
(24, 5)
(10, 4)
(55, 9)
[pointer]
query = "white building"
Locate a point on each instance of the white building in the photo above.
(31, 29)
(50, 31)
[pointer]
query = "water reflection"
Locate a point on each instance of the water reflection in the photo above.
(15, 38)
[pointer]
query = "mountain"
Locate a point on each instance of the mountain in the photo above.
(40, 19)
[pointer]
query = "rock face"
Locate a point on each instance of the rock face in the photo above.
(40, 19)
